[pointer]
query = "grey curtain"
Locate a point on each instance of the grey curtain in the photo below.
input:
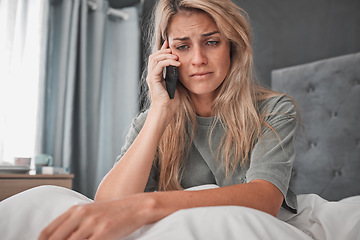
(91, 90)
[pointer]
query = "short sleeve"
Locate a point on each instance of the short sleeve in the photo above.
(273, 155)
(134, 130)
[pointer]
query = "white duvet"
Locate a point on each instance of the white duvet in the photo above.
(23, 216)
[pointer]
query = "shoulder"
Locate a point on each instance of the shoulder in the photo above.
(139, 121)
(136, 126)
(278, 105)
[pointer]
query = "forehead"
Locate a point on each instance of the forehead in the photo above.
(187, 24)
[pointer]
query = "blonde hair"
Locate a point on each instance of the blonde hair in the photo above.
(236, 104)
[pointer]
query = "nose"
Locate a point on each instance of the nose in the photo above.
(198, 56)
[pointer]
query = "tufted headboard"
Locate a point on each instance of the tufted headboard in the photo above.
(327, 147)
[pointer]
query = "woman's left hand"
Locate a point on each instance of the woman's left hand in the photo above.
(101, 220)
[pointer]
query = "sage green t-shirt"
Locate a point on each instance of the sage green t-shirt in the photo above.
(270, 159)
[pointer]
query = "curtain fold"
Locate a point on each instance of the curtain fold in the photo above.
(91, 87)
(119, 93)
(60, 81)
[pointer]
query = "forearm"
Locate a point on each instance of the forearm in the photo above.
(131, 173)
(117, 218)
(260, 195)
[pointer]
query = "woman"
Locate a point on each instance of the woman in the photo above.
(220, 128)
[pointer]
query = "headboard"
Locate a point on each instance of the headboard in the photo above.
(327, 147)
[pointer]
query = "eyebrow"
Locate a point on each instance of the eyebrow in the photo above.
(202, 35)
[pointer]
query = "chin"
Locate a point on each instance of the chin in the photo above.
(201, 89)
(202, 92)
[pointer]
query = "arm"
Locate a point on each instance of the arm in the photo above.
(131, 173)
(118, 218)
(258, 194)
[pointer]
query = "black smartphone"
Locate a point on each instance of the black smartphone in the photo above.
(171, 78)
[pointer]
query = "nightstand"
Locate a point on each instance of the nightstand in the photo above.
(11, 184)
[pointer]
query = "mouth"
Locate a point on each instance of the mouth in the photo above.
(200, 75)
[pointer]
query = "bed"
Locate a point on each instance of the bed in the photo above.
(325, 174)
(328, 144)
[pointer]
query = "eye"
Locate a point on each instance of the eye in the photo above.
(182, 47)
(212, 43)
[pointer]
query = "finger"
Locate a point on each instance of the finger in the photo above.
(162, 51)
(155, 59)
(168, 62)
(162, 61)
(158, 68)
(66, 229)
(81, 233)
(51, 228)
(67, 223)
(165, 45)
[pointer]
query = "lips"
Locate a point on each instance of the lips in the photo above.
(200, 74)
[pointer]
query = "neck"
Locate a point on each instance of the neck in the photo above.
(203, 105)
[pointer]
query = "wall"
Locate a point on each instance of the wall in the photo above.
(292, 32)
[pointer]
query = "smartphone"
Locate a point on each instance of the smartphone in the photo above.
(171, 78)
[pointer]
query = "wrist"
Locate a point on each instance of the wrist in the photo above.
(160, 115)
(156, 206)
(150, 210)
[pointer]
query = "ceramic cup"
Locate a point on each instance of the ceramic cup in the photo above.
(22, 161)
(42, 160)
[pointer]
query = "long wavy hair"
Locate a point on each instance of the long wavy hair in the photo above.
(236, 103)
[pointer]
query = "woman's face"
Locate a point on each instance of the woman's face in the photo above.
(203, 52)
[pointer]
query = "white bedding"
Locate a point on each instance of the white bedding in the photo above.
(23, 216)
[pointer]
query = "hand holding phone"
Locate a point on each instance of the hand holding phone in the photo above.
(171, 78)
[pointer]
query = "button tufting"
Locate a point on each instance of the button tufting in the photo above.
(313, 144)
(310, 89)
(337, 173)
(356, 82)
(334, 114)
